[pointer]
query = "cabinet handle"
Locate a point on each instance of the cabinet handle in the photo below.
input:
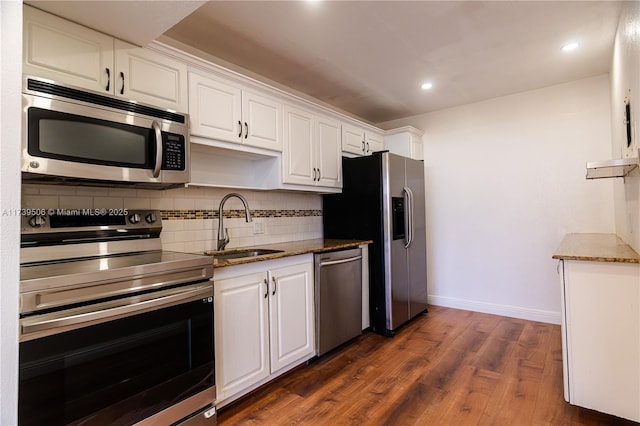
(122, 88)
(266, 284)
(319, 175)
(314, 174)
(275, 285)
(240, 126)
(108, 79)
(368, 147)
(362, 146)
(246, 133)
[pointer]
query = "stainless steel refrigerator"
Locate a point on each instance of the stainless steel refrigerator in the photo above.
(383, 200)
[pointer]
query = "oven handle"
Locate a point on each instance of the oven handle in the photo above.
(99, 313)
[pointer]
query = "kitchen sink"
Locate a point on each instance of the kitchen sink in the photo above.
(240, 253)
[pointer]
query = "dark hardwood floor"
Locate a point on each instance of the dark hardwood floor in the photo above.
(448, 367)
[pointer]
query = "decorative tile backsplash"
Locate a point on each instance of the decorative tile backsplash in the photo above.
(213, 214)
(190, 215)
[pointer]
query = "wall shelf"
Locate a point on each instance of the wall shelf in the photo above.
(611, 168)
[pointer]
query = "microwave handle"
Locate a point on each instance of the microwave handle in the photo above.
(158, 165)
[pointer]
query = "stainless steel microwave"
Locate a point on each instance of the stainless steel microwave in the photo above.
(75, 136)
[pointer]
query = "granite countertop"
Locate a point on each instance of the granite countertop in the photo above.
(292, 248)
(597, 248)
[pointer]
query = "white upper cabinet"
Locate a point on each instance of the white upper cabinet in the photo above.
(262, 118)
(353, 139)
(405, 141)
(358, 141)
(150, 77)
(214, 109)
(223, 111)
(373, 142)
(65, 52)
(62, 51)
(312, 149)
(329, 152)
(299, 165)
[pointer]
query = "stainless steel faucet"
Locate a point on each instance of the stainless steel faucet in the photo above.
(223, 235)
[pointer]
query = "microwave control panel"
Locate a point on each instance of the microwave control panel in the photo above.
(173, 157)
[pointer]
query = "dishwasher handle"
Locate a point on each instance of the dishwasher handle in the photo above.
(337, 262)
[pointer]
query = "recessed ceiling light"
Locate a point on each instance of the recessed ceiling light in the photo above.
(426, 86)
(569, 47)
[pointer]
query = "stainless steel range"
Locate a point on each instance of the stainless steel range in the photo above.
(113, 330)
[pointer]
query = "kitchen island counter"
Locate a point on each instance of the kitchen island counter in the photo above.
(596, 248)
(292, 248)
(600, 323)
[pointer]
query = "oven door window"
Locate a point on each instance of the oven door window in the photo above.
(118, 372)
(64, 136)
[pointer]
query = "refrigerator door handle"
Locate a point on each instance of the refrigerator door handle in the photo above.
(409, 215)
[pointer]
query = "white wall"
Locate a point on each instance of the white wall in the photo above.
(625, 80)
(505, 181)
(10, 75)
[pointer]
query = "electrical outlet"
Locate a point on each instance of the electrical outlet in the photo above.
(258, 226)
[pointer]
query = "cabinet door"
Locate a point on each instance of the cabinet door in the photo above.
(603, 336)
(241, 333)
(150, 77)
(416, 147)
(298, 153)
(214, 109)
(66, 52)
(261, 121)
(373, 143)
(353, 139)
(291, 315)
(329, 156)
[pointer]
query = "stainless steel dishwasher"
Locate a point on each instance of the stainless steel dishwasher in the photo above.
(338, 285)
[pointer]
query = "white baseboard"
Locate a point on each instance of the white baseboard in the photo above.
(492, 308)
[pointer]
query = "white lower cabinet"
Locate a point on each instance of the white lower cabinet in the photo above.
(264, 323)
(601, 336)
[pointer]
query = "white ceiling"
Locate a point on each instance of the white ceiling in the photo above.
(369, 58)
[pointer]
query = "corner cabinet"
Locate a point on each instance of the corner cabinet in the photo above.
(66, 52)
(312, 149)
(405, 141)
(358, 141)
(223, 111)
(264, 323)
(601, 336)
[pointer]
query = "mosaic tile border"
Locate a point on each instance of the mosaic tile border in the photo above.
(234, 214)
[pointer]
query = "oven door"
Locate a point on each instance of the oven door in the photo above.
(119, 362)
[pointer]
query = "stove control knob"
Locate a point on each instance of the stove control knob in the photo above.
(37, 221)
(134, 218)
(150, 218)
